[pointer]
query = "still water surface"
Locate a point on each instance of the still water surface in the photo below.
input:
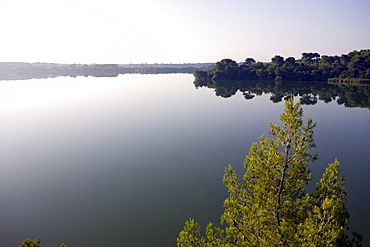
(125, 161)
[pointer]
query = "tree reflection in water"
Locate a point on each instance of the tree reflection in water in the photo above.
(309, 92)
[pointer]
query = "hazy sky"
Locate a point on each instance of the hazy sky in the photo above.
(179, 31)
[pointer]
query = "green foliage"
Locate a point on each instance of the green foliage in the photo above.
(226, 69)
(34, 243)
(270, 207)
(311, 67)
(30, 243)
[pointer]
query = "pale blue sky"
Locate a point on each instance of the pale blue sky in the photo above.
(179, 31)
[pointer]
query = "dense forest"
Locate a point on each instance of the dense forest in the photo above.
(310, 67)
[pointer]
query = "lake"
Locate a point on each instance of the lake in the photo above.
(125, 161)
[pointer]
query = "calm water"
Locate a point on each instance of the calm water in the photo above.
(125, 161)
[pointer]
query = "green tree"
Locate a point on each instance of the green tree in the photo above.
(30, 243)
(271, 207)
(310, 57)
(199, 74)
(226, 69)
(34, 243)
(327, 221)
(290, 60)
(278, 60)
(249, 61)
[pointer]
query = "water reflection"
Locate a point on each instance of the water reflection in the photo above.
(308, 92)
(104, 161)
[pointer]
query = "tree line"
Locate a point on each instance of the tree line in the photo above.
(310, 67)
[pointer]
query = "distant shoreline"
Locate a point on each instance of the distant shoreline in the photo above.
(24, 71)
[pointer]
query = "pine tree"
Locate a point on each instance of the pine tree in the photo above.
(30, 243)
(271, 207)
(27, 242)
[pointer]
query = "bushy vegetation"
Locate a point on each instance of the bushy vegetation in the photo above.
(310, 67)
(27, 242)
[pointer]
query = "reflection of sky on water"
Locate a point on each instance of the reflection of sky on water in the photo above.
(61, 90)
(111, 159)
